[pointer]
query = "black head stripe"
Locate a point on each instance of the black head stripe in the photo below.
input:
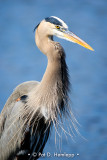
(53, 20)
(36, 27)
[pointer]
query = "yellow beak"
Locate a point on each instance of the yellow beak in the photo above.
(73, 38)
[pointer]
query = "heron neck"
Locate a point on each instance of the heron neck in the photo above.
(56, 75)
(52, 73)
(54, 55)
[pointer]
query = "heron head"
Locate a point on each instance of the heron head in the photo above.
(58, 27)
(54, 26)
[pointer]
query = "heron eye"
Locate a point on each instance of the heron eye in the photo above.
(57, 27)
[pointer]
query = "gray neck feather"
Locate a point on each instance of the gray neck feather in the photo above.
(51, 94)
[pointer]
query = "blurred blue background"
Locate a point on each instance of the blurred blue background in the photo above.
(20, 60)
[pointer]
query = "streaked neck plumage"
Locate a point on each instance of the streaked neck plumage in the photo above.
(54, 86)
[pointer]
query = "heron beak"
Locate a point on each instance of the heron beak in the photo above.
(75, 39)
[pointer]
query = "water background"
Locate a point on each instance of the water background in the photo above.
(20, 60)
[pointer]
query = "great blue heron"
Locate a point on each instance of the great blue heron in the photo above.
(33, 107)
